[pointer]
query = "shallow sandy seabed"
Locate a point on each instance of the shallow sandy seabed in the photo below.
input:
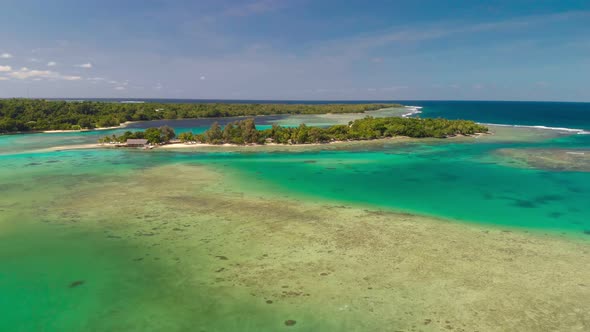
(248, 260)
(522, 134)
(549, 159)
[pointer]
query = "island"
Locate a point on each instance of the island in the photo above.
(244, 132)
(29, 115)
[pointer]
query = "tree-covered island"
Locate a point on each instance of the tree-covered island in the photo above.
(22, 115)
(153, 135)
(245, 132)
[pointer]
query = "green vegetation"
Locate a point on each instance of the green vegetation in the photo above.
(245, 132)
(153, 135)
(36, 114)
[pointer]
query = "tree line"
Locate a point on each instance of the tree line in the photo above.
(245, 131)
(153, 135)
(21, 115)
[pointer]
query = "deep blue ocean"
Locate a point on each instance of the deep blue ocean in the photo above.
(550, 114)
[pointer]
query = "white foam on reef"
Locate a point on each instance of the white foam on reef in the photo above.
(132, 102)
(569, 130)
(413, 110)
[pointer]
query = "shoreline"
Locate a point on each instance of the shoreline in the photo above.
(121, 126)
(180, 145)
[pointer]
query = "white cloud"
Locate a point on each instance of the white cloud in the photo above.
(119, 83)
(84, 65)
(5, 55)
(96, 79)
(3, 78)
(71, 78)
(5, 68)
(203, 78)
(51, 64)
(120, 88)
(25, 73)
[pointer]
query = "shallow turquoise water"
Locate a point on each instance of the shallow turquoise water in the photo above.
(51, 279)
(463, 181)
(453, 181)
(61, 271)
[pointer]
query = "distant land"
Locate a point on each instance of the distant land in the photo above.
(25, 115)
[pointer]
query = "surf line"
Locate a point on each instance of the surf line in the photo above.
(569, 130)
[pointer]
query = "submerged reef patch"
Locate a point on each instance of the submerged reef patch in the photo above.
(548, 159)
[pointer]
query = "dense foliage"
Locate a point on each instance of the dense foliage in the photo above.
(36, 114)
(245, 132)
(153, 135)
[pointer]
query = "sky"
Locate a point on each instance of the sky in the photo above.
(296, 49)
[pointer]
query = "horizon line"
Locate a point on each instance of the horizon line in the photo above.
(288, 100)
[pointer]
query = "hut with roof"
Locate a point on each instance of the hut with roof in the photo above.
(136, 142)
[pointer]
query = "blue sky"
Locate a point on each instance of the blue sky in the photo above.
(296, 49)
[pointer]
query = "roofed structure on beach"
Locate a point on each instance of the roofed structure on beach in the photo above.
(136, 142)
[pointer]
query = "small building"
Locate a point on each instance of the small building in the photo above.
(136, 142)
